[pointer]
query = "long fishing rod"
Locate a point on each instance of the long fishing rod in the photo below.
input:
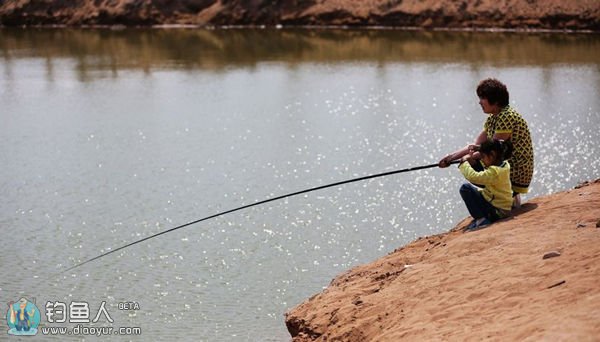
(255, 204)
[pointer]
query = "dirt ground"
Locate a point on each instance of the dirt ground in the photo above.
(535, 276)
(574, 15)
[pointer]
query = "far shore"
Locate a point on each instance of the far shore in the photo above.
(510, 15)
(302, 27)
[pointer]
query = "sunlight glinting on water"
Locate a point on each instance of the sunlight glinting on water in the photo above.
(102, 154)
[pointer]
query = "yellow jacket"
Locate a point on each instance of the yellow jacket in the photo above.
(498, 190)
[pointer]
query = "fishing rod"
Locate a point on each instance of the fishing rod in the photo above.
(255, 204)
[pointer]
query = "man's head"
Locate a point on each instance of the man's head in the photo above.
(493, 91)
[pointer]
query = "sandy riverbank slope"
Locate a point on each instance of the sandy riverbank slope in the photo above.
(458, 14)
(489, 284)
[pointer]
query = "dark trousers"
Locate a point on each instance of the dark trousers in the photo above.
(477, 205)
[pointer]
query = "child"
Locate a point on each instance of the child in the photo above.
(494, 200)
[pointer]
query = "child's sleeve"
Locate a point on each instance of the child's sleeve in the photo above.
(488, 176)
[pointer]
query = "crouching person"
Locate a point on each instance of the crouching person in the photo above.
(493, 199)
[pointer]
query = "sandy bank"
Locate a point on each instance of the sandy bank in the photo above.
(495, 283)
(454, 14)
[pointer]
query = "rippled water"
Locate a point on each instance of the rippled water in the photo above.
(110, 136)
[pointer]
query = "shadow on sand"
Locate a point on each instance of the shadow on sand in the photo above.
(526, 207)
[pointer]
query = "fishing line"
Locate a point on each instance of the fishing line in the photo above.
(255, 204)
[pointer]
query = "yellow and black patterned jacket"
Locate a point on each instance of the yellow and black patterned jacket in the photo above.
(521, 162)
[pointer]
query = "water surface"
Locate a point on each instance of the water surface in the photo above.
(109, 136)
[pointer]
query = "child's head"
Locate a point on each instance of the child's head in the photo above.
(494, 152)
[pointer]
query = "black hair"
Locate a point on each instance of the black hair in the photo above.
(502, 148)
(494, 91)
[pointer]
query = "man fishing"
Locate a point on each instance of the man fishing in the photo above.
(21, 318)
(503, 123)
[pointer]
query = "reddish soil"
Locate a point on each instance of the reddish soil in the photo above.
(535, 276)
(453, 14)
